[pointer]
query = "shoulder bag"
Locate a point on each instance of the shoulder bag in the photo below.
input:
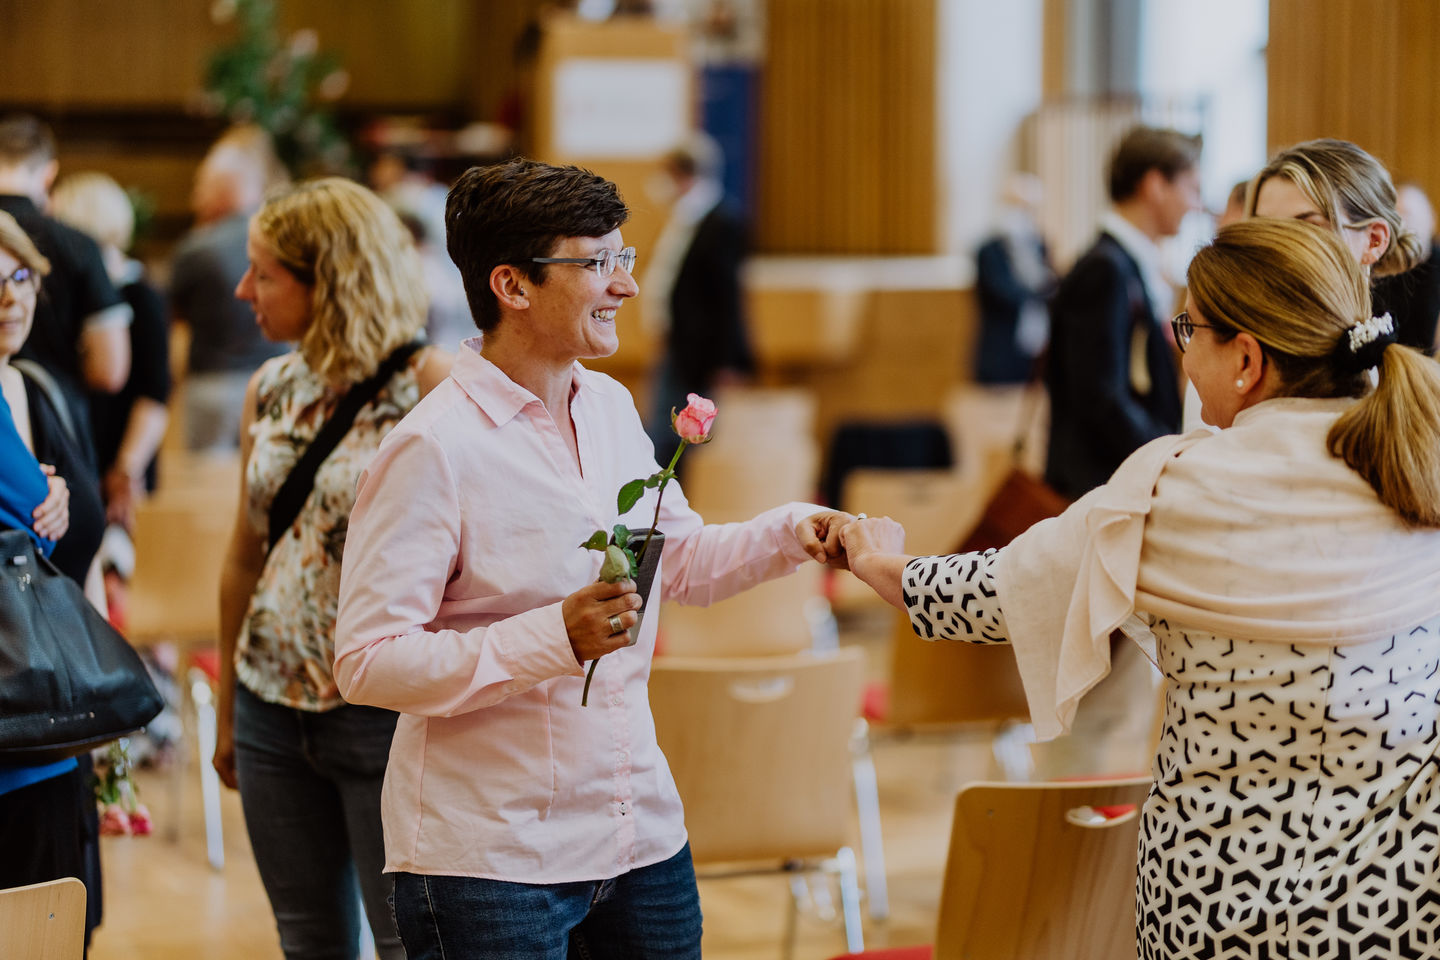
(301, 480)
(68, 680)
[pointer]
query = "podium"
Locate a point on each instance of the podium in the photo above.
(614, 97)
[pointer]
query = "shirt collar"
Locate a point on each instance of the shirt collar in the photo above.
(492, 390)
(1146, 254)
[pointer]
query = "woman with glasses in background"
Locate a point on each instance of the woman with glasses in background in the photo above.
(1285, 572)
(333, 271)
(48, 823)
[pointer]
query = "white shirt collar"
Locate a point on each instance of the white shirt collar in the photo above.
(1146, 253)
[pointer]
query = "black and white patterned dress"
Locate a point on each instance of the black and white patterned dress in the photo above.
(1296, 808)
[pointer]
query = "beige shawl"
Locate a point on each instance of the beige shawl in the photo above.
(1256, 532)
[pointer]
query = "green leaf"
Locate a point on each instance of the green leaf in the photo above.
(654, 480)
(629, 496)
(616, 566)
(634, 563)
(596, 541)
(621, 537)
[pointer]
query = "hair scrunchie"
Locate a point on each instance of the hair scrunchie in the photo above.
(1363, 345)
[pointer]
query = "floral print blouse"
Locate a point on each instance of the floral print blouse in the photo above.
(287, 643)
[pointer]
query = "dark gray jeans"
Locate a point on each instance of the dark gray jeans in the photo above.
(310, 785)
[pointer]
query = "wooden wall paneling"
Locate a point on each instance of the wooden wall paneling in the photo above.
(402, 54)
(848, 127)
(1360, 71)
(70, 53)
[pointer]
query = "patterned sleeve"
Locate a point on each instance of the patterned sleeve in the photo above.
(954, 598)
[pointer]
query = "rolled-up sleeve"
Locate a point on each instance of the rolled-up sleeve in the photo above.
(401, 550)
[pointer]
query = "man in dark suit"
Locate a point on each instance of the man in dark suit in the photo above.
(692, 290)
(1111, 374)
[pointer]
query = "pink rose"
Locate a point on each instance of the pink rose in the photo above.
(693, 423)
(114, 822)
(140, 823)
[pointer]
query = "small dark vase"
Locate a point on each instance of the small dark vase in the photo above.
(649, 563)
(644, 580)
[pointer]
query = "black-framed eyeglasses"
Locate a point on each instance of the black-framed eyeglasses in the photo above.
(21, 277)
(1185, 328)
(604, 262)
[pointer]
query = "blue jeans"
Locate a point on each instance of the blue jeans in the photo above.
(652, 913)
(310, 785)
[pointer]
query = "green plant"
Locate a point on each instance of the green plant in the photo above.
(285, 88)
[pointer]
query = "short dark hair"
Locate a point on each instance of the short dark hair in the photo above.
(25, 139)
(512, 211)
(1150, 148)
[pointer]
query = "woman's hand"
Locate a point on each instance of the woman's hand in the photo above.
(224, 759)
(122, 492)
(819, 536)
(875, 548)
(593, 612)
(52, 517)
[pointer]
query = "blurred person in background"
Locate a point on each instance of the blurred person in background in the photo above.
(1336, 185)
(403, 181)
(1114, 387)
(48, 822)
(129, 425)
(1013, 284)
(226, 345)
(1234, 206)
(1111, 372)
(332, 270)
(1413, 297)
(693, 300)
(80, 332)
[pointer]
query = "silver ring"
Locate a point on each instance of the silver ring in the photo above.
(615, 625)
(861, 516)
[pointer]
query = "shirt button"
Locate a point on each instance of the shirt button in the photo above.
(617, 700)
(624, 757)
(624, 807)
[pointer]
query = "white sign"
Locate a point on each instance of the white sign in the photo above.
(620, 109)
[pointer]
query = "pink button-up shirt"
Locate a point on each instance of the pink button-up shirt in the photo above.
(464, 540)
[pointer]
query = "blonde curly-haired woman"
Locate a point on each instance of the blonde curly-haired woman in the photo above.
(332, 270)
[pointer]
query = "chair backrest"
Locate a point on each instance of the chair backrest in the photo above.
(1031, 876)
(44, 921)
(180, 543)
(760, 751)
(942, 682)
(769, 619)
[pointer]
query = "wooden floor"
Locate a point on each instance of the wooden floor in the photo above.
(163, 902)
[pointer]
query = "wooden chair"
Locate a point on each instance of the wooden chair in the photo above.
(760, 750)
(44, 921)
(1039, 871)
(180, 541)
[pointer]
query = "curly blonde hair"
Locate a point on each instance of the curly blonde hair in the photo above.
(367, 292)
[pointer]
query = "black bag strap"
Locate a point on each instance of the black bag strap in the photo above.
(50, 387)
(297, 486)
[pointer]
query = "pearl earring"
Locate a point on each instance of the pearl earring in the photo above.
(1240, 384)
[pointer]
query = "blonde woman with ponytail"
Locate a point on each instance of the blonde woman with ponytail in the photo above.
(1284, 573)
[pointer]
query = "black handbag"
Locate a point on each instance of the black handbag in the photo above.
(68, 680)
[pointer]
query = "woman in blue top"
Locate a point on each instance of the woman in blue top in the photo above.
(47, 811)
